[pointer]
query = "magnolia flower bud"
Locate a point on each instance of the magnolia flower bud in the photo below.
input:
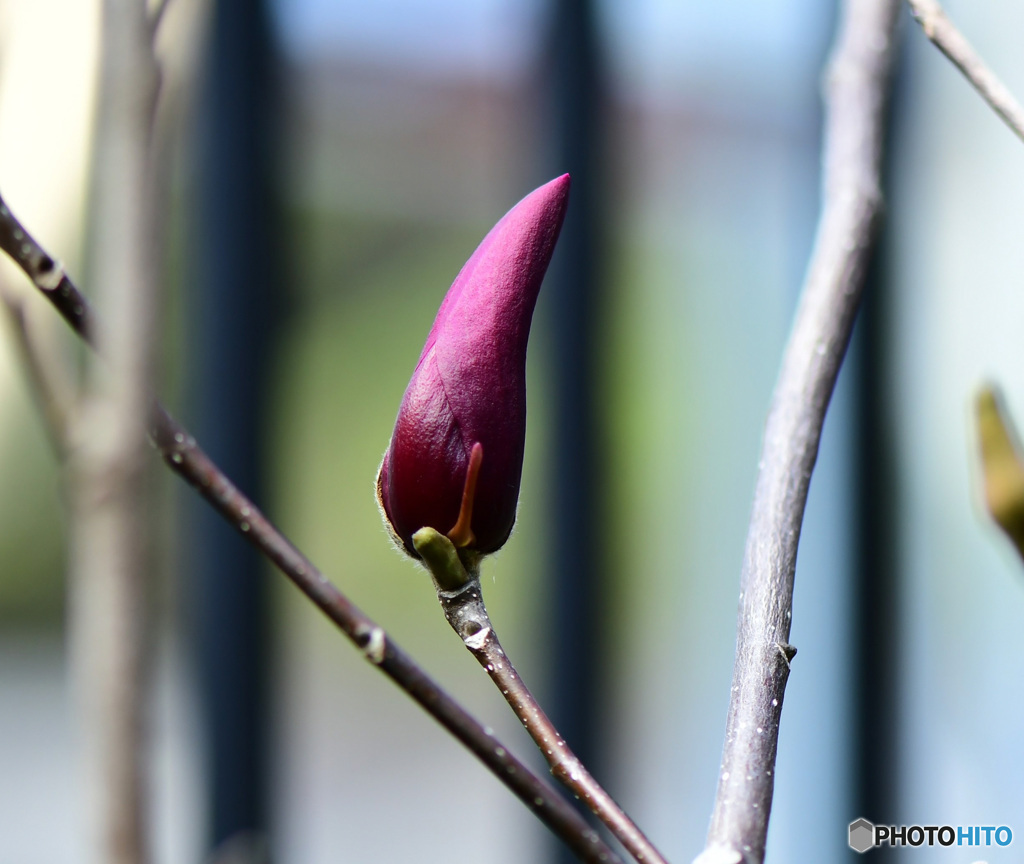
(456, 454)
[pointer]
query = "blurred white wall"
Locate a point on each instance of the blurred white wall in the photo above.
(48, 53)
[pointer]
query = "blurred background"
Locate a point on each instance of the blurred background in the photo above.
(351, 156)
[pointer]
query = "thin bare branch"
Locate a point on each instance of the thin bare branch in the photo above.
(950, 41)
(156, 15)
(181, 453)
(47, 385)
(109, 489)
(858, 85)
(457, 583)
(566, 766)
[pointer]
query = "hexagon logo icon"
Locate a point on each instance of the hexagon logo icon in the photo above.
(862, 835)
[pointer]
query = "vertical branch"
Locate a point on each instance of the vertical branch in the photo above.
(855, 110)
(110, 616)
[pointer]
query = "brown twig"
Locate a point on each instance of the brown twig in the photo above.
(181, 453)
(47, 274)
(951, 42)
(858, 79)
(186, 459)
(457, 582)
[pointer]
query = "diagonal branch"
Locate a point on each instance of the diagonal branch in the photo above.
(457, 581)
(181, 453)
(951, 42)
(858, 79)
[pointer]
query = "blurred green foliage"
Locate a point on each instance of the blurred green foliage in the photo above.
(32, 536)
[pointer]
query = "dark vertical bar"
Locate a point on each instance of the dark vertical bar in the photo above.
(231, 305)
(876, 600)
(575, 299)
(876, 607)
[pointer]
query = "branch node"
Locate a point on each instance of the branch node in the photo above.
(50, 274)
(477, 640)
(373, 643)
(787, 651)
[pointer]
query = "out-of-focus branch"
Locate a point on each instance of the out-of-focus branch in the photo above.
(858, 85)
(108, 484)
(156, 14)
(1002, 465)
(950, 41)
(49, 388)
(181, 453)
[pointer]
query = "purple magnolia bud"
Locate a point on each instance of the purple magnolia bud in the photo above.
(456, 454)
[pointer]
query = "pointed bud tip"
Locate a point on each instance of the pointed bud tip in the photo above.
(559, 187)
(544, 208)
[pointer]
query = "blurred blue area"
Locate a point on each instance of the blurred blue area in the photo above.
(653, 43)
(491, 38)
